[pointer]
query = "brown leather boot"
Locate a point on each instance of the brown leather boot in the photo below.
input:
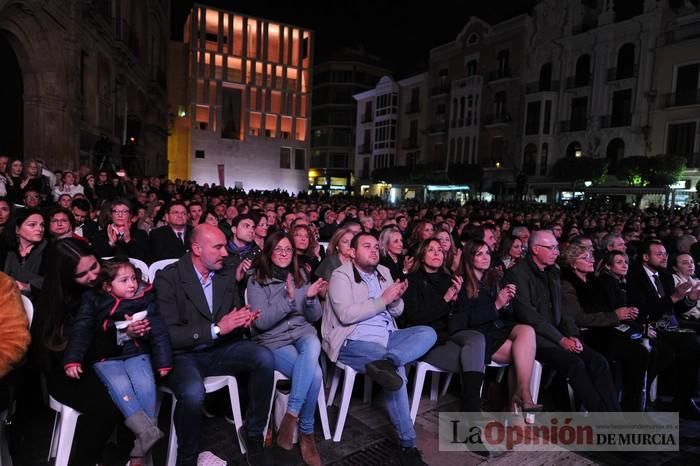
(285, 436)
(309, 453)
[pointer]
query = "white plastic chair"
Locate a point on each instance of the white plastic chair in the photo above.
(211, 384)
(348, 383)
(156, 266)
(322, 411)
(63, 432)
(28, 309)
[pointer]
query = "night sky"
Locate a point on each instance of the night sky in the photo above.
(386, 28)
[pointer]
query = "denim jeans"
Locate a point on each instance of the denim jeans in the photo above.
(227, 358)
(404, 346)
(130, 383)
(299, 362)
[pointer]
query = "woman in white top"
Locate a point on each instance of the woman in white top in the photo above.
(683, 267)
(67, 186)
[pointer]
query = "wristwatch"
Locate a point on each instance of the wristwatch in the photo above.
(217, 330)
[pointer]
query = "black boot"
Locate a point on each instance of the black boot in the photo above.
(470, 395)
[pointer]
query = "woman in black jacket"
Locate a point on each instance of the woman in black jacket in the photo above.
(428, 301)
(602, 308)
(481, 306)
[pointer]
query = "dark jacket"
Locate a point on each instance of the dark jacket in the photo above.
(166, 245)
(578, 301)
(184, 308)
(642, 294)
(532, 307)
(136, 248)
(609, 291)
(93, 336)
(424, 302)
(30, 270)
(396, 268)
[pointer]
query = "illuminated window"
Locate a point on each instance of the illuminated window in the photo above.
(254, 124)
(301, 130)
(286, 127)
(273, 42)
(275, 102)
(270, 126)
(202, 117)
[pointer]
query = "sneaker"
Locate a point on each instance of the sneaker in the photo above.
(384, 373)
(411, 457)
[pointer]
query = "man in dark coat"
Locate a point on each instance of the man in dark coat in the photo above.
(171, 241)
(207, 323)
(538, 303)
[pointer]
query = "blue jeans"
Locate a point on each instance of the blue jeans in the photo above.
(130, 383)
(299, 362)
(404, 346)
(227, 358)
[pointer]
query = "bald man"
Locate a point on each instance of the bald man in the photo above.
(208, 325)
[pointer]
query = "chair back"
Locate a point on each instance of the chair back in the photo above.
(28, 309)
(156, 266)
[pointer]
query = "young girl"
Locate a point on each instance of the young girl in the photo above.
(122, 361)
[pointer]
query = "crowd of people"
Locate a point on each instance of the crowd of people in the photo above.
(605, 297)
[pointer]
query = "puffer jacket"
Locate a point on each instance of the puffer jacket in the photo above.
(93, 336)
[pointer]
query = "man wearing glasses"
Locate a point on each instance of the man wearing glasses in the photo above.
(538, 303)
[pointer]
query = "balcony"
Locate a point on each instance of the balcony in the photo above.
(534, 87)
(569, 126)
(475, 80)
(616, 120)
(573, 82)
(409, 143)
(499, 74)
(437, 128)
(615, 74)
(365, 148)
(497, 119)
(412, 107)
(680, 99)
(440, 89)
(366, 118)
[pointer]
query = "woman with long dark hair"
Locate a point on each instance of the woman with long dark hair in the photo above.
(73, 268)
(289, 306)
(305, 245)
(483, 306)
(26, 246)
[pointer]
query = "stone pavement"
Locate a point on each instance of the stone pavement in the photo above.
(368, 440)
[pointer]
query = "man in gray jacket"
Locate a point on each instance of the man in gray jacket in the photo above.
(359, 330)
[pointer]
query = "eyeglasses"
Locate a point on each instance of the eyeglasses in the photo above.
(587, 258)
(553, 247)
(120, 212)
(282, 251)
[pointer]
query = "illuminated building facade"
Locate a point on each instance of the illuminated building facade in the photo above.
(240, 102)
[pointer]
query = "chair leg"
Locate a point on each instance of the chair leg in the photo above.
(572, 398)
(434, 386)
(323, 414)
(236, 410)
(171, 455)
(367, 398)
(334, 386)
(53, 448)
(348, 383)
(448, 379)
(535, 381)
(69, 419)
(417, 391)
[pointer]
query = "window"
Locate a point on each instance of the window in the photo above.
(621, 108)
(545, 83)
(503, 63)
(299, 159)
(547, 116)
(530, 160)
(386, 104)
(544, 156)
(680, 139)
(385, 134)
(199, 154)
(499, 103)
(615, 151)
(625, 62)
(285, 157)
(579, 113)
(532, 124)
(574, 150)
(365, 168)
(583, 71)
(687, 85)
(471, 67)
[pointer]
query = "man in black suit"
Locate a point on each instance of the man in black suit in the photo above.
(651, 289)
(171, 241)
(207, 324)
(538, 304)
(85, 227)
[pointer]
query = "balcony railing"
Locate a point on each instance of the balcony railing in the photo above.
(616, 120)
(365, 148)
(440, 89)
(409, 143)
(572, 82)
(412, 107)
(572, 125)
(533, 87)
(499, 74)
(366, 118)
(437, 128)
(622, 73)
(679, 99)
(497, 119)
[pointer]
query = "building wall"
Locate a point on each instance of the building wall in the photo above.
(74, 58)
(248, 98)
